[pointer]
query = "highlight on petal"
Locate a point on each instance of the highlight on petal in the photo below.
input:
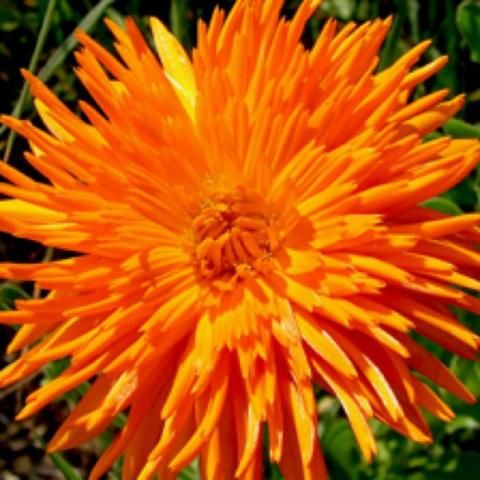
(247, 227)
(177, 65)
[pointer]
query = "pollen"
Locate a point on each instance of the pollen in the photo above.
(235, 235)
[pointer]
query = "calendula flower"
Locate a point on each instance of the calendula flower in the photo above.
(247, 225)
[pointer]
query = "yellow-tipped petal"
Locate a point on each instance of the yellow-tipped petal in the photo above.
(177, 65)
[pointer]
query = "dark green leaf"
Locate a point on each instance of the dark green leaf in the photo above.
(464, 194)
(468, 20)
(9, 18)
(341, 450)
(443, 205)
(9, 292)
(466, 467)
(469, 372)
(459, 129)
(462, 422)
(178, 14)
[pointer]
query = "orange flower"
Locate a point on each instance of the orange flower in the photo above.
(247, 225)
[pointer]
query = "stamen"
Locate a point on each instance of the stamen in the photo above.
(234, 235)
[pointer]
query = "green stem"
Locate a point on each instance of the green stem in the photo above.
(178, 11)
(42, 36)
(67, 470)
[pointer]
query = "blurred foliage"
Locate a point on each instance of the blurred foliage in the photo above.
(39, 34)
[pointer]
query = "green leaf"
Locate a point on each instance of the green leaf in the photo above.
(432, 136)
(469, 372)
(339, 8)
(459, 129)
(190, 473)
(467, 466)
(178, 22)
(468, 416)
(464, 194)
(474, 96)
(341, 450)
(443, 205)
(9, 17)
(120, 420)
(9, 292)
(468, 21)
(54, 369)
(462, 422)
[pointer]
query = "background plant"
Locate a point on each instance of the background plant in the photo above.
(38, 34)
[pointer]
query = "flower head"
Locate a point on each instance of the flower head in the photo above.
(247, 226)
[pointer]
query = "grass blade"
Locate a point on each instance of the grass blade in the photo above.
(178, 23)
(42, 36)
(59, 461)
(71, 42)
(58, 57)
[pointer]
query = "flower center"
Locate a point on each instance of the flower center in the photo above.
(234, 235)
